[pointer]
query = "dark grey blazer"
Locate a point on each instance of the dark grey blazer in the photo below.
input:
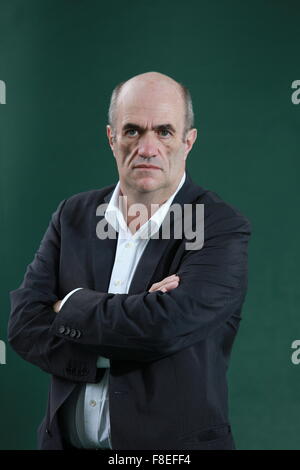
(169, 352)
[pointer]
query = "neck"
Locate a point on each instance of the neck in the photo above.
(142, 205)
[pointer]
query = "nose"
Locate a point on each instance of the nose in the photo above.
(147, 146)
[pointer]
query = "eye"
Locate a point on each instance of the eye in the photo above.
(164, 132)
(131, 132)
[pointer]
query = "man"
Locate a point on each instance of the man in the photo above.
(136, 328)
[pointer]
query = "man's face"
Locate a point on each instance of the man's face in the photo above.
(148, 145)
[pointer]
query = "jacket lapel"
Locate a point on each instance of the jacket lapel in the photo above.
(155, 248)
(103, 255)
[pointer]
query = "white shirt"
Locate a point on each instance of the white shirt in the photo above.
(86, 415)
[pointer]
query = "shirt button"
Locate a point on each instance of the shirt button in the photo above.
(128, 245)
(117, 282)
(93, 403)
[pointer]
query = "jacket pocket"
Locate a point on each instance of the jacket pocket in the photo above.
(215, 438)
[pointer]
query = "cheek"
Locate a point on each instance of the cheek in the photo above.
(122, 152)
(127, 149)
(174, 155)
(168, 150)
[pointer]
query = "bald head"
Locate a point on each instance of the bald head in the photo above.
(151, 81)
(150, 133)
(148, 85)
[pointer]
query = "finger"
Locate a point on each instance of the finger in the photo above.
(166, 280)
(168, 288)
(168, 285)
(171, 285)
(158, 285)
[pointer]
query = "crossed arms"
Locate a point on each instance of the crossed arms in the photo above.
(135, 327)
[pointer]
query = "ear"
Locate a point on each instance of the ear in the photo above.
(189, 141)
(109, 134)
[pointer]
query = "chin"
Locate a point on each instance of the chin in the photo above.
(147, 184)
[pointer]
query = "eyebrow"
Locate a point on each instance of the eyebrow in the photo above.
(130, 125)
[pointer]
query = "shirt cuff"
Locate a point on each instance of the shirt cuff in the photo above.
(103, 362)
(67, 296)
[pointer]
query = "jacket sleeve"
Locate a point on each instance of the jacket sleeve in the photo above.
(149, 326)
(32, 314)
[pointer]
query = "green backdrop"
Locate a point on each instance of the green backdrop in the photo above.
(60, 60)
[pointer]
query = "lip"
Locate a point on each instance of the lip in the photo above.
(147, 167)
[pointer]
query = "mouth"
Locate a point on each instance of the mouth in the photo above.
(146, 167)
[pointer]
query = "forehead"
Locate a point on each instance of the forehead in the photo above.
(151, 103)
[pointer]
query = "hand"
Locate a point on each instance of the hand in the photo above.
(56, 306)
(168, 283)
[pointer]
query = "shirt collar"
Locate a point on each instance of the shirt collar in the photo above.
(115, 218)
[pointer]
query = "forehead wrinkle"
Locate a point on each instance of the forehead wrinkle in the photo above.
(155, 114)
(142, 102)
(163, 125)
